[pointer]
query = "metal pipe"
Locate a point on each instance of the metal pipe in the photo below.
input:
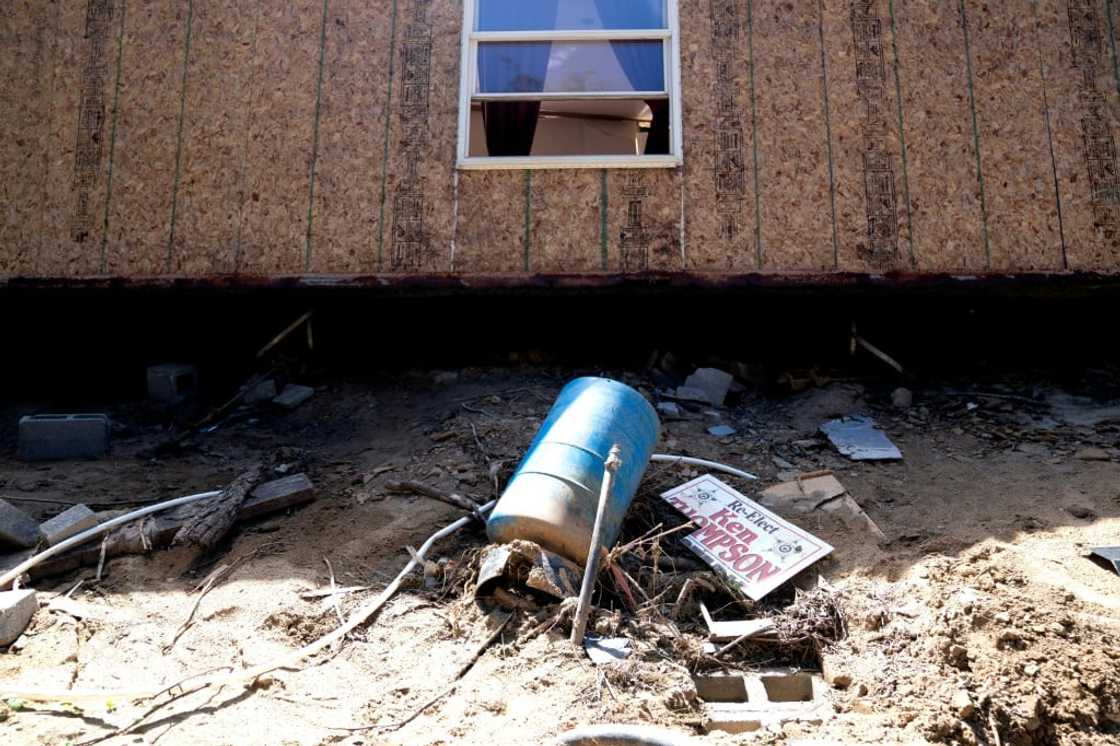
(579, 624)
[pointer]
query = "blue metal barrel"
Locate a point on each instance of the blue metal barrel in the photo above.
(552, 497)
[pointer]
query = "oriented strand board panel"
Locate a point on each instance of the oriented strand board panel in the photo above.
(491, 233)
(146, 143)
(416, 232)
(193, 138)
(644, 217)
(1081, 91)
(567, 229)
(948, 222)
(351, 137)
(216, 115)
(80, 137)
(794, 183)
(719, 172)
(1012, 115)
(872, 225)
(285, 71)
(26, 31)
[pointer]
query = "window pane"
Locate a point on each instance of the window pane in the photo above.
(569, 127)
(567, 67)
(569, 15)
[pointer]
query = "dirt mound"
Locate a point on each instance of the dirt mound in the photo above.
(971, 647)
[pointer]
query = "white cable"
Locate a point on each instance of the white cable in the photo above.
(702, 462)
(100, 528)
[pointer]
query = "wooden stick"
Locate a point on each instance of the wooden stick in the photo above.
(417, 488)
(579, 624)
(283, 335)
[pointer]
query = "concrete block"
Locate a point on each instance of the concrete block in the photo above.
(171, 383)
(68, 523)
(16, 610)
(740, 704)
(293, 395)
(17, 529)
(51, 437)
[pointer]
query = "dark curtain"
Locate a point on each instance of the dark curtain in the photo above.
(514, 68)
(644, 65)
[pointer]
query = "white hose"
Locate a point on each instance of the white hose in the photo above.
(702, 462)
(100, 528)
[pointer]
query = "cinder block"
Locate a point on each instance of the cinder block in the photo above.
(68, 523)
(49, 437)
(17, 528)
(171, 383)
(740, 704)
(16, 610)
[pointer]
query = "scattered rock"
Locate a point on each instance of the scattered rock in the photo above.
(1003, 617)
(962, 705)
(902, 398)
(781, 463)
(721, 431)
(1082, 512)
(1093, 454)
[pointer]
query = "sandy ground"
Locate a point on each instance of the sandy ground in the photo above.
(978, 620)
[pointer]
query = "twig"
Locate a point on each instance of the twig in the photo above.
(334, 594)
(283, 335)
(856, 339)
(101, 557)
(416, 488)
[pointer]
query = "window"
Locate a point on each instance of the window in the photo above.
(569, 83)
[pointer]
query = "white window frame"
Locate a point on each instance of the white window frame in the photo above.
(468, 79)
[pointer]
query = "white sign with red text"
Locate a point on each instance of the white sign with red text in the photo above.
(744, 542)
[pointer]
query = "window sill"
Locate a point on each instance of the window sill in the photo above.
(567, 161)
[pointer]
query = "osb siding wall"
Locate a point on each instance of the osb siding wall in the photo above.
(194, 138)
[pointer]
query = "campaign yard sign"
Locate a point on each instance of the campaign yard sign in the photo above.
(744, 542)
